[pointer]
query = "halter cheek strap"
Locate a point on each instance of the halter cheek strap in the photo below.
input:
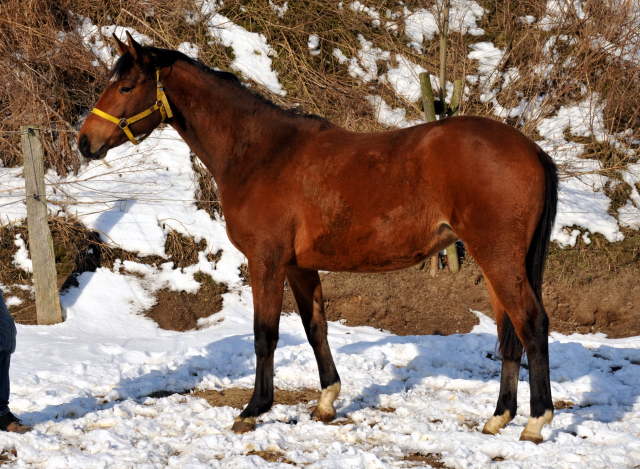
(162, 105)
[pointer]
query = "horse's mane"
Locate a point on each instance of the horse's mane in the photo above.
(166, 57)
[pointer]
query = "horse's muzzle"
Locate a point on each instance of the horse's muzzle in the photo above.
(84, 145)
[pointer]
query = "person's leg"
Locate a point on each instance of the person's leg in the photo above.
(5, 360)
(8, 421)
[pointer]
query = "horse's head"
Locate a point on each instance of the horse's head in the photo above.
(130, 107)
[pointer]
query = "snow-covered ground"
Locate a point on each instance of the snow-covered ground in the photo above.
(83, 384)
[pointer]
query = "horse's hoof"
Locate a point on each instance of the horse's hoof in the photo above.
(532, 438)
(322, 415)
(495, 423)
(487, 431)
(243, 424)
(532, 432)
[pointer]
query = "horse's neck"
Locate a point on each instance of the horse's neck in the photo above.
(226, 127)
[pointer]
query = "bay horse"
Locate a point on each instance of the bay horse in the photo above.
(301, 194)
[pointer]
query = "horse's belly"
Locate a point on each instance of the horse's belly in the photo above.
(372, 251)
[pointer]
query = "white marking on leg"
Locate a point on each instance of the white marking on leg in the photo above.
(328, 397)
(533, 430)
(497, 422)
(249, 420)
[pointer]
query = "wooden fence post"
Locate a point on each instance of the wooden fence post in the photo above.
(452, 251)
(430, 116)
(40, 241)
(427, 97)
(444, 32)
(456, 99)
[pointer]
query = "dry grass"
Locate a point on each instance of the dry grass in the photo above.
(579, 57)
(47, 78)
(78, 249)
(600, 256)
(51, 79)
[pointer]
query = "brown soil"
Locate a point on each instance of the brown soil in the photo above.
(412, 302)
(239, 397)
(180, 311)
(8, 456)
(271, 456)
(433, 459)
(409, 302)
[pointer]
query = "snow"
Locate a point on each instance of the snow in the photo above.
(21, 257)
(83, 385)
(314, 44)
(360, 7)
(423, 24)
(100, 42)
(252, 54)
(582, 201)
(188, 49)
(557, 10)
(629, 216)
(279, 10)
(489, 59)
(13, 301)
(388, 116)
(363, 66)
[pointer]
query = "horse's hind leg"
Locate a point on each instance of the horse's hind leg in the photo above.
(511, 351)
(307, 290)
(530, 322)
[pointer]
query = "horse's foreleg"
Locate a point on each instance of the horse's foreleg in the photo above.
(267, 282)
(307, 290)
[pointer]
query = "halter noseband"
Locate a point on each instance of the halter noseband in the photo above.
(162, 104)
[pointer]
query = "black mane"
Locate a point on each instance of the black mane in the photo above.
(167, 57)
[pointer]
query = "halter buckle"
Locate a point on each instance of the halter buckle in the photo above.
(123, 123)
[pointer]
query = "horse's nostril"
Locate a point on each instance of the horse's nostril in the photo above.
(84, 145)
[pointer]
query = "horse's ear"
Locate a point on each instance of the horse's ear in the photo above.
(138, 52)
(122, 47)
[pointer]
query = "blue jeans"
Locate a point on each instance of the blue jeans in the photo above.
(7, 347)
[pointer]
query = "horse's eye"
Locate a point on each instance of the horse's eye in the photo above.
(125, 89)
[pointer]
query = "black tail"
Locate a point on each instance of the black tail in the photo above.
(537, 255)
(510, 345)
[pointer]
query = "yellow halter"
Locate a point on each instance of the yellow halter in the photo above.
(161, 104)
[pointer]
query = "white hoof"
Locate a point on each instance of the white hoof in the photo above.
(497, 422)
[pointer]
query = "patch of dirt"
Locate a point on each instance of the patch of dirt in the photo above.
(180, 311)
(271, 456)
(408, 302)
(560, 405)
(8, 456)
(591, 299)
(239, 397)
(433, 459)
